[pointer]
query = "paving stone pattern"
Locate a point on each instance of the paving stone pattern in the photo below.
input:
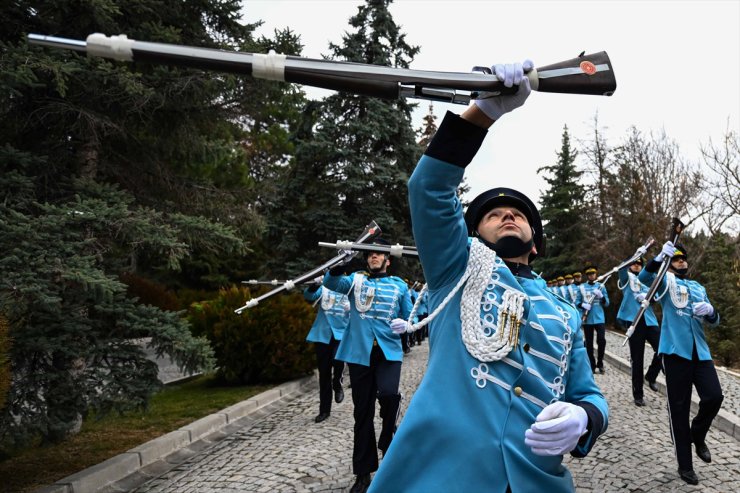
(285, 451)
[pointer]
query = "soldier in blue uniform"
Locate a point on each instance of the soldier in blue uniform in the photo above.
(571, 291)
(594, 316)
(685, 355)
(508, 389)
(373, 354)
(325, 333)
(633, 294)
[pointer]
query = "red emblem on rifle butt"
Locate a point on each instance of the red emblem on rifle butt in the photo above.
(588, 68)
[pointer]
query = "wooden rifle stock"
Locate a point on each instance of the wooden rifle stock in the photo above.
(585, 74)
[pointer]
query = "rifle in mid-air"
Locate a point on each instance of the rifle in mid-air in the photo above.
(585, 74)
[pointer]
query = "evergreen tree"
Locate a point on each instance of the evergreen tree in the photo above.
(354, 155)
(109, 169)
(562, 212)
(720, 275)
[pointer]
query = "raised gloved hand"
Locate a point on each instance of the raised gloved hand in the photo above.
(317, 280)
(703, 309)
(399, 325)
(667, 251)
(586, 306)
(510, 74)
(556, 429)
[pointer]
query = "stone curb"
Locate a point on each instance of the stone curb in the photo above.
(99, 476)
(725, 421)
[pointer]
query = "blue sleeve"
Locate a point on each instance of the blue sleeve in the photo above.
(312, 296)
(624, 277)
(339, 284)
(605, 300)
(647, 275)
(582, 391)
(405, 305)
(436, 212)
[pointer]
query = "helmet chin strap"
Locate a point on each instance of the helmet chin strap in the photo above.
(509, 246)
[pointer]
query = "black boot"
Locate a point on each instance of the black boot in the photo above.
(338, 394)
(689, 476)
(321, 417)
(389, 407)
(653, 386)
(362, 483)
(702, 452)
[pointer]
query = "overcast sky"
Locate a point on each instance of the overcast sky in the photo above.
(677, 65)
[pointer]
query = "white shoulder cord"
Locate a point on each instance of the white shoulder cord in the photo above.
(483, 347)
(361, 306)
(411, 327)
(327, 301)
(679, 294)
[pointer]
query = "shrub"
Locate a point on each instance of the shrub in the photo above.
(263, 344)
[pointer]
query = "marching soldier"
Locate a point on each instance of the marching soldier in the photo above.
(633, 294)
(571, 293)
(594, 316)
(326, 332)
(577, 276)
(373, 354)
(685, 355)
(508, 389)
(560, 288)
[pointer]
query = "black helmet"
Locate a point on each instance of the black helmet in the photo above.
(505, 196)
(680, 252)
(376, 241)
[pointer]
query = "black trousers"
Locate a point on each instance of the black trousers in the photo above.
(379, 380)
(643, 333)
(588, 330)
(680, 375)
(325, 361)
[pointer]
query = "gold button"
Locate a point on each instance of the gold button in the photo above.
(517, 391)
(526, 348)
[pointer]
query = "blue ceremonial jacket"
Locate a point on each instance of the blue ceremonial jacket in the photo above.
(464, 428)
(631, 286)
(333, 315)
(680, 329)
(596, 313)
(374, 302)
(571, 293)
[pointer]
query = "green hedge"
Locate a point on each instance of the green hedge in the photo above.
(264, 344)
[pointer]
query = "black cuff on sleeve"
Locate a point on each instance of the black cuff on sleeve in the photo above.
(312, 288)
(652, 266)
(714, 317)
(595, 426)
(337, 271)
(456, 141)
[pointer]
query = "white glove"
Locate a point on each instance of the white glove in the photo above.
(641, 251)
(510, 74)
(640, 297)
(557, 429)
(399, 325)
(703, 309)
(318, 280)
(598, 294)
(667, 251)
(586, 306)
